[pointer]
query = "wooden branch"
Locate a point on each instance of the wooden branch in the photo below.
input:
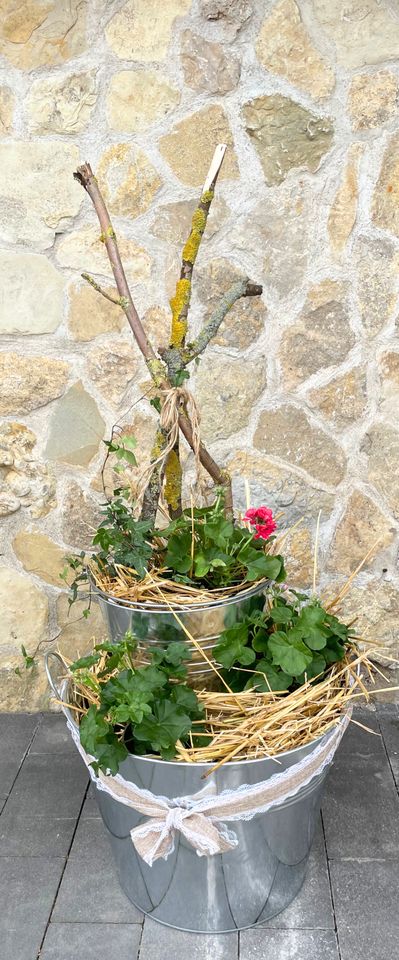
(180, 303)
(152, 491)
(242, 288)
(108, 296)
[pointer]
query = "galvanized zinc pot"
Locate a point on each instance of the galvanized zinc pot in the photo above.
(157, 624)
(227, 892)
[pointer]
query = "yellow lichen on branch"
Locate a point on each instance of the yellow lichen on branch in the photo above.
(173, 478)
(178, 304)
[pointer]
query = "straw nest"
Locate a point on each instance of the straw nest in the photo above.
(124, 586)
(252, 725)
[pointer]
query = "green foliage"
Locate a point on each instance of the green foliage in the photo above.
(292, 640)
(143, 710)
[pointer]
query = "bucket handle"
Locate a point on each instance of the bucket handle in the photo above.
(52, 653)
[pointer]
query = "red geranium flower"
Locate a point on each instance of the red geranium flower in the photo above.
(262, 519)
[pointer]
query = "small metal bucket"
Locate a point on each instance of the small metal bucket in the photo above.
(230, 891)
(155, 625)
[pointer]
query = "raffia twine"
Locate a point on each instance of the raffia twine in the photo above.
(175, 401)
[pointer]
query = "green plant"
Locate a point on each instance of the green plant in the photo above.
(139, 710)
(293, 639)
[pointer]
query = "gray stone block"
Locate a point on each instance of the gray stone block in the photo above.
(50, 786)
(52, 736)
(28, 886)
(21, 836)
(162, 942)
(90, 893)
(260, 944)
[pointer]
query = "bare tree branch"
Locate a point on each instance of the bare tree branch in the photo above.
(108, 296)
(242, 288)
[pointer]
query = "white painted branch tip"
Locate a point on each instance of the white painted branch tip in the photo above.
(215, 166)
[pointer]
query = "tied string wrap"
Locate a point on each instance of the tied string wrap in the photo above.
(199, 818)
(175, 401)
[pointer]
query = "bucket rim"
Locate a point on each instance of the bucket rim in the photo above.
(182, 764)
(158, 608)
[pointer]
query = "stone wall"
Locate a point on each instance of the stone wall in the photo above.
(305, 382)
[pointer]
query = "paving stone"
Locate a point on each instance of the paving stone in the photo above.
(16, 732)
(22, 836)
(361, 805)
(90, 806)
(312, 908)
(159, 941)
(288, 944)
(389, 726)
(50, 786)
(90, 891)
(90, 839)
(366, 907)
(22, 941)
(93, 941)
(52, 736)
(28, 886)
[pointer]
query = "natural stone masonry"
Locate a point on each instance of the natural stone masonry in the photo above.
(300, 389)
(286, 135)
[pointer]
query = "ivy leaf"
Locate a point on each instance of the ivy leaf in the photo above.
(85, 662)
(293, 657)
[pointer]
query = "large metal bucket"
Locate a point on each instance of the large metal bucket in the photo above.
(230, 891)
(156, 625)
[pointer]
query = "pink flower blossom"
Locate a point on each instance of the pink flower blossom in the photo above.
(262, 519)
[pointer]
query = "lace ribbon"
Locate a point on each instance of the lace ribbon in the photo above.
(199, 818)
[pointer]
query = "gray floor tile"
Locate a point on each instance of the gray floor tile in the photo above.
(90, 806)
(91, 941)
(16, 732)
(50, 786)
(27, 889)
(261, 943)
(22, 942)
(52, 736)
(389, 725)
(91, 839)
(90, 893)
(23, 836)
(159, 942)
(361, 804)
(312, 908)
(366, 907)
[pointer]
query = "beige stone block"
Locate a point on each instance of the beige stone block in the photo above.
(206, 67)
(321, 337)
(26, 481)
(279, 488)
(31, 294)
(38, 192)
(76, 428)
(377, 261)
(189, 148)
(173, 221)
(373, 99)
(61, 105)
(142, 29)
(81, 516)
(284, 47)
(286, 433)
(7, 101)
(30, 382)
(128, 180)
(245, 321)
(286, 136)
(136, 100)
(363, 33)
(342, 217)
(363, 530)
(381, 445)
(42, 33)
(376, 619)
(83, 250)
(385, 206)
(231, 13)
(224, 408)
(344, 399)
(298, 555)
(113, 367)
(388, 403)
(24, 613)
(41, 556)
(157, 323)
(91, 315)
